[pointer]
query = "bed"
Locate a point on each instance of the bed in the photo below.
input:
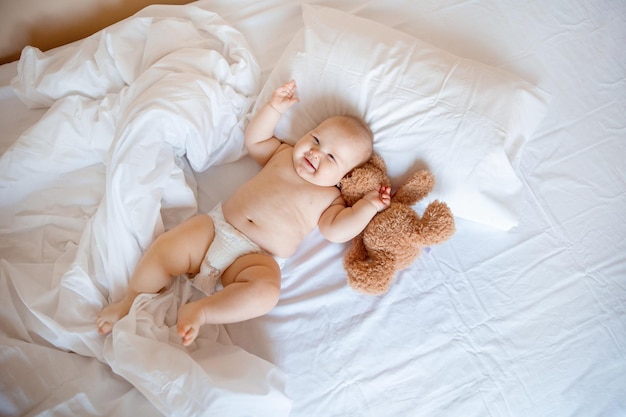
(518, 109)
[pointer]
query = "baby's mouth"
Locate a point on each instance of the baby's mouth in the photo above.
(310, 164)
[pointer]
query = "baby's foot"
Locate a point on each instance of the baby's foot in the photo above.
(190, 318)
(111, 314)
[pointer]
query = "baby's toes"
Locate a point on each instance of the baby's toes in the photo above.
(185, 331)
(104, 327)
(189, 336)
(182, 329)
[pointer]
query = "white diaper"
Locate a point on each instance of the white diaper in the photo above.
(228, 245)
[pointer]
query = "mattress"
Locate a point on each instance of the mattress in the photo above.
(113, 139)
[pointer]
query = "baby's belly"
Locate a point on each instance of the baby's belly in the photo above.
(281, 244)
(277, 236)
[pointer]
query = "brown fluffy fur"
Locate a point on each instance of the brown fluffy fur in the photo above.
(394, 238)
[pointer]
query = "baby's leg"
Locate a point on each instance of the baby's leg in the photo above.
(251, 289)
(175, 252)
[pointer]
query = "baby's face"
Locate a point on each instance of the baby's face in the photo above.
(327, 153)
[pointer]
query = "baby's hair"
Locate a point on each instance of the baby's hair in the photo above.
(364, 132)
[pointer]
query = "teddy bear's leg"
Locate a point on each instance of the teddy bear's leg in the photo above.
(437, 223)
(364, 274)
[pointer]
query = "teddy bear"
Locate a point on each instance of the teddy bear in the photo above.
(395, 237)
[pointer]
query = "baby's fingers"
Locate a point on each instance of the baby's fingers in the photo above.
(288, 89)
(283, 97)
(385, 195)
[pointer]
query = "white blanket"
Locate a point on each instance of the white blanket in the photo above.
(105, 171)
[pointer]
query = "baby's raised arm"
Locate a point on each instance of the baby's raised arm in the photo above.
(259, 135)
(340, 223)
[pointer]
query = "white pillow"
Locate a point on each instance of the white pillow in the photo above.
(463, 120)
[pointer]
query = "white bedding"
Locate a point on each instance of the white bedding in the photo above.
(525, 322)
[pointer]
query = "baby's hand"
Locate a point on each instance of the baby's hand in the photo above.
(381, 198)
(283, 98)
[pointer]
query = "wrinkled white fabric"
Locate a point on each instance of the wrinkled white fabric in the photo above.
(105, 171)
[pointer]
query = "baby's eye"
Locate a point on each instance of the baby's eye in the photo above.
(316, 140)
(332, 157)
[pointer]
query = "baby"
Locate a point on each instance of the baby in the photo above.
(266, 217)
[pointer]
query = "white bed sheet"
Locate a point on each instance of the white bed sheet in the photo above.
(526, 322)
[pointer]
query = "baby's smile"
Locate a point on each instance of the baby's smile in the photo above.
(310, 164)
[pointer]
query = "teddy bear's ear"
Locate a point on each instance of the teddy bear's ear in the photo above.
(351, 188)
(378, 162)
(363, 179)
